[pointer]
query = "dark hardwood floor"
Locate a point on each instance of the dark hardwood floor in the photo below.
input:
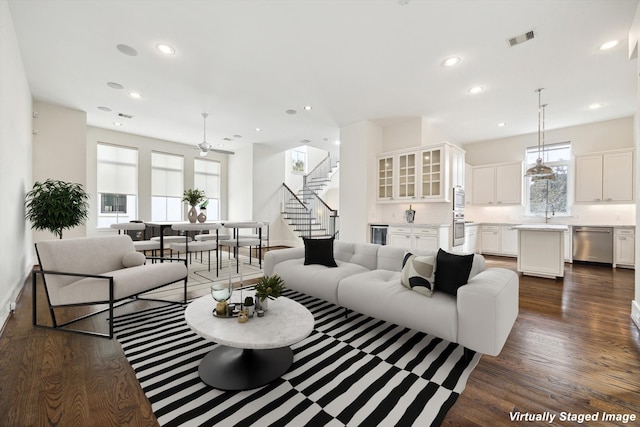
(573, 349)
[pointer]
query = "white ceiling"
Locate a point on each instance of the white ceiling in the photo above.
(245, 62)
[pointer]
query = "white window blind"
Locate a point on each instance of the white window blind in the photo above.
(206, 177)
(166, 175)
(117, 171)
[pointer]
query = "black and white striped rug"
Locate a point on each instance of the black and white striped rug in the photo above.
(357, 371)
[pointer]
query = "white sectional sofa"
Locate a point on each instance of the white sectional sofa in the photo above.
(368, 280)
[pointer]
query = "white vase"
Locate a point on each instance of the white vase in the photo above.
(192, 216)
(202, 217)
(262, 305)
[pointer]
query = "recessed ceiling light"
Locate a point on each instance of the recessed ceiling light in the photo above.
(117, 123)
(107, 109)
(594, 106)
(450, 62)
(236, 136)
(135, 95)
(258, 129)
(114, 85)
(307, 107)
(476, 89)
(337, 142)
(127, 50)
(292, 112)
(165, 48)
(609, 45)
(503, 124)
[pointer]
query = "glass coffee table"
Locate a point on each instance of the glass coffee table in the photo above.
(250, 354)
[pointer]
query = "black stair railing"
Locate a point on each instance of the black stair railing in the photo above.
(309, 215)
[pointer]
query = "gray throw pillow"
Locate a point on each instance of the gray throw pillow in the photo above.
(418, 273)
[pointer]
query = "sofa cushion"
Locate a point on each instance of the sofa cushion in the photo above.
(133, 259)
(379, 294)
(319, 251)
(363, 254)
(452, 271)
(417, 273)
(315, 279)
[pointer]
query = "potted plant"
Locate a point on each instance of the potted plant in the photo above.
(193, 197)
(268, 287)
(249, 305)
(56, 205)
(202, 216)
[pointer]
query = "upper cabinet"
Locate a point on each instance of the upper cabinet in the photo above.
(385, 178)
(605, 177)
(420, 174)
(499, 184)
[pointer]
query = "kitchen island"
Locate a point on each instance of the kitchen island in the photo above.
(541, 249)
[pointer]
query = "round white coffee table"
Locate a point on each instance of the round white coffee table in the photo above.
(251, 354)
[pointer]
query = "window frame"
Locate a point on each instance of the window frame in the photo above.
(548, 150)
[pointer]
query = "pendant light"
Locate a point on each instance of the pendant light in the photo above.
(540, 170)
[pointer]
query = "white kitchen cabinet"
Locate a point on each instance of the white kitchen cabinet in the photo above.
(385, 178)
(568, 246)
(624, 247)
(418, 237)
(421, 174)
(605, 177)
(508, 240)
(433, 173)
(470, 239)
(497, 184)
(407, 176)
(490, 239)
(509, 183)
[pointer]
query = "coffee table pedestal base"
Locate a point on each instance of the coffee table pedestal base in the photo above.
(228, 368)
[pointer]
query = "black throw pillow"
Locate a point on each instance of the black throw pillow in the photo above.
(319, 251)
(452, 271)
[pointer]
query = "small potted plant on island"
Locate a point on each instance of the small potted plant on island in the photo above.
(193, 197)
(268, 287)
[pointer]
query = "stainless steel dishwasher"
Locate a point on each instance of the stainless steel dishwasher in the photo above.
(593, 244)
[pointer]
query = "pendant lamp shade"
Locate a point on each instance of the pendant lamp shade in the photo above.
(540, 170)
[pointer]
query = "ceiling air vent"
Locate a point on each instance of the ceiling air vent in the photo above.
(126, 116)
(521, 38)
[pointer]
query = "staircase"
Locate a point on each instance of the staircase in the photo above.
(307, 214)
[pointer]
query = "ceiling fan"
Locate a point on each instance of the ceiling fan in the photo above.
(204, 146)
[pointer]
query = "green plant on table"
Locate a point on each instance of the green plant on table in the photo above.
(269, 287)
(56, 205)
(193, 196)
(204, 204)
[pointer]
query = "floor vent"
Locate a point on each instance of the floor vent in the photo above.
(521, 38)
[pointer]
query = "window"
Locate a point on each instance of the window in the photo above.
(549, 197)
(298, 161)
(207, 178)
(117, 184)
(167, 172)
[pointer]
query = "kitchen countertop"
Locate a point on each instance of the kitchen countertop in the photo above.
(541, 227)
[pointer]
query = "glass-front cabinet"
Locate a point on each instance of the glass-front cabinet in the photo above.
(421, 174)
(407, 175)
(431, 176)
(385, 178)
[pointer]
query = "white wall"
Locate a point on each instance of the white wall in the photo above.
(360, 142)
(16, 259)
(145, 146)
(60, 152)
(589, 138)
(268, 175)
(634, 46)
(241, 185)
